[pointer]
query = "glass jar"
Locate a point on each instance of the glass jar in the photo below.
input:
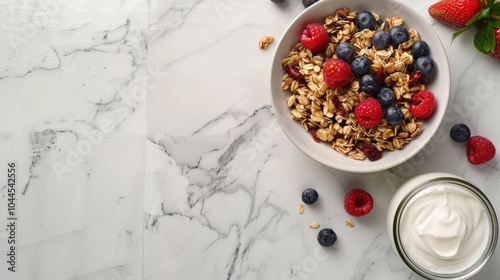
(442, 226)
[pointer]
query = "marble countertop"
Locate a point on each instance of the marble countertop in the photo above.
(145, 147)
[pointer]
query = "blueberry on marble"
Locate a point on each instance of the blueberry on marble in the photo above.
(394, 115)
(365, 20)
(380, 39)
(369, 84)
(385, 96)
(398, 34)
(345, 51)
(360, 65)
(308, 3)
(460, 133)
(278, 1)
(419, 49)
(425, 65)
(309, 196)
(327, 237)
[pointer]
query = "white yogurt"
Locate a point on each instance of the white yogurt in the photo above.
(442, 226)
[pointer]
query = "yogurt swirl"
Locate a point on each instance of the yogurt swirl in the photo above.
(444, 228)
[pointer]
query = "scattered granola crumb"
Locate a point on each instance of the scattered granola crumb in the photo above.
(314, 225)
(349, 223)
(301, 209)
(265, 41)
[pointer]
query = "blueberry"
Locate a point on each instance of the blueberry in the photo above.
(309, 196)
(369, 84)
(426, 66)
(278, 1)
(308, 3)
(419, 48)
(345, 51)
(327, 237)
(365, 20)
(385, 96)
(381, 39)
(398, 35)
(360, 65)
(460, 133)
(394, 115)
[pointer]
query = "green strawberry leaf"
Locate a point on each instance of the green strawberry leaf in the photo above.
(490, 3)
(495, 23)
(484, 40)
(457, 33)
(495, 11)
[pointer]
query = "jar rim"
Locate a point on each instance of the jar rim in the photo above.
(483, 259)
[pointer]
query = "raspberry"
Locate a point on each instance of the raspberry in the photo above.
(315, 37)
(370, 151)
(423, 104)
(337, 73)
(368, 112)
(358, 202)
(479, 150)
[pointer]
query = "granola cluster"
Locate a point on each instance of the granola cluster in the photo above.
(328, 114)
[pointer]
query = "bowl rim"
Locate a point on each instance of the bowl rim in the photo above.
(445, 69)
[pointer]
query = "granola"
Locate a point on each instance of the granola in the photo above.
(328, 114)
(265, 41)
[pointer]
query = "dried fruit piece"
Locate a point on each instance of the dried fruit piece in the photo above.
(314, 135)
(370, 151)
(338, 106)
(293, 72)
(415, 77)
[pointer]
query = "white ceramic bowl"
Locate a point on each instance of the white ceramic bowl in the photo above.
(323, 152)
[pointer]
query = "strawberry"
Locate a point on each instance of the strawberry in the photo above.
(315, 37)
(368, 112)
(463, 14)
(455, 13)
(337, 73)
(358, 202)
(423, 104)
(479, 150)
(495, 53)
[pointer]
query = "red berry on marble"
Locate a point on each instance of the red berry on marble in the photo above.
(479, 150)
(423, 104)
(337, 73)
(368, 112)
(358, 202)
(315, 37)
